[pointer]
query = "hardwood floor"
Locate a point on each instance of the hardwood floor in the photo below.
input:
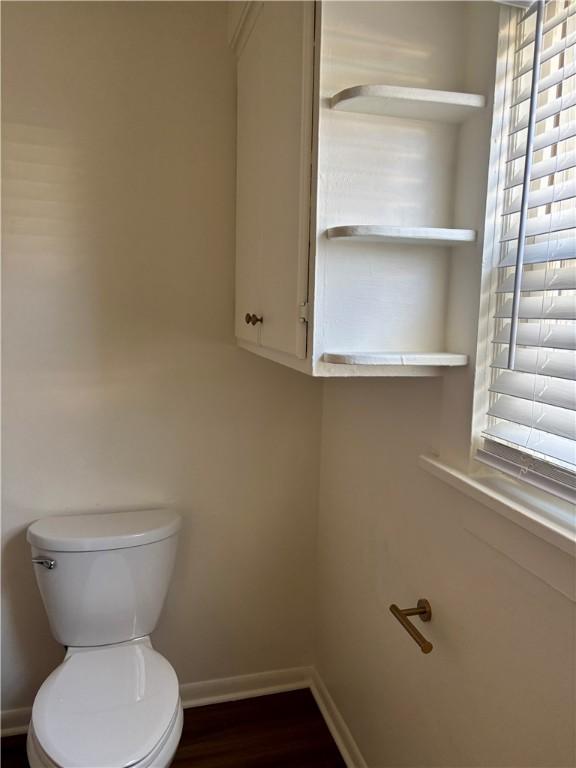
(285, 730)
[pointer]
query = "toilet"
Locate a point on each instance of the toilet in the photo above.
(114, 701)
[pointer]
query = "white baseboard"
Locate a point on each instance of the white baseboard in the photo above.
(15, 721)
(245, 686)
(340, 732)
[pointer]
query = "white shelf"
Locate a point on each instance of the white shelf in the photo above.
(403, 235)
(412, 103)
(429, 359)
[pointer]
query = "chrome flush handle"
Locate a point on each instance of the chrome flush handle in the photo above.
(45, 561)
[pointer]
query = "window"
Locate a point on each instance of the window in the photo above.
(529, 423)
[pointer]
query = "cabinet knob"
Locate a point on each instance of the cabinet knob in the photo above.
(253, 319)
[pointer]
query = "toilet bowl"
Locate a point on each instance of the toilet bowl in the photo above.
(114, 701)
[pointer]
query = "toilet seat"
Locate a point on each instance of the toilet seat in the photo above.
(160, 757)
(110, 707)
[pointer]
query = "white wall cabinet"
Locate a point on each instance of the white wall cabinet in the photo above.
(352, 120)
(274, 136)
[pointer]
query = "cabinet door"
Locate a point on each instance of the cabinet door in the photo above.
(275, 76)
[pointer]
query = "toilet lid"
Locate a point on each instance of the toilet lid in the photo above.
(106, 707)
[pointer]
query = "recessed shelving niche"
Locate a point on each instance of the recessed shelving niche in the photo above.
(393, 279)
(411, 103)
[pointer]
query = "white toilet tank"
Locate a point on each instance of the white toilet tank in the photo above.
(103, 577)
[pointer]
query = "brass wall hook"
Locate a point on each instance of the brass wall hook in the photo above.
(424, 610)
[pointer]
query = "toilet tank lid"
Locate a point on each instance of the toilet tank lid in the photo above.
(103, 530)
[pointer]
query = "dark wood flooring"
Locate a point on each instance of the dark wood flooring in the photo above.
(285, 730)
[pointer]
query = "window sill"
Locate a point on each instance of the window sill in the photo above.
(546, 545)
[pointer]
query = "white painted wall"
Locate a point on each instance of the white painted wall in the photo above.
(498, 688)
(122, 382)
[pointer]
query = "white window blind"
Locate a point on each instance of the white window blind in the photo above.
(530, 427)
